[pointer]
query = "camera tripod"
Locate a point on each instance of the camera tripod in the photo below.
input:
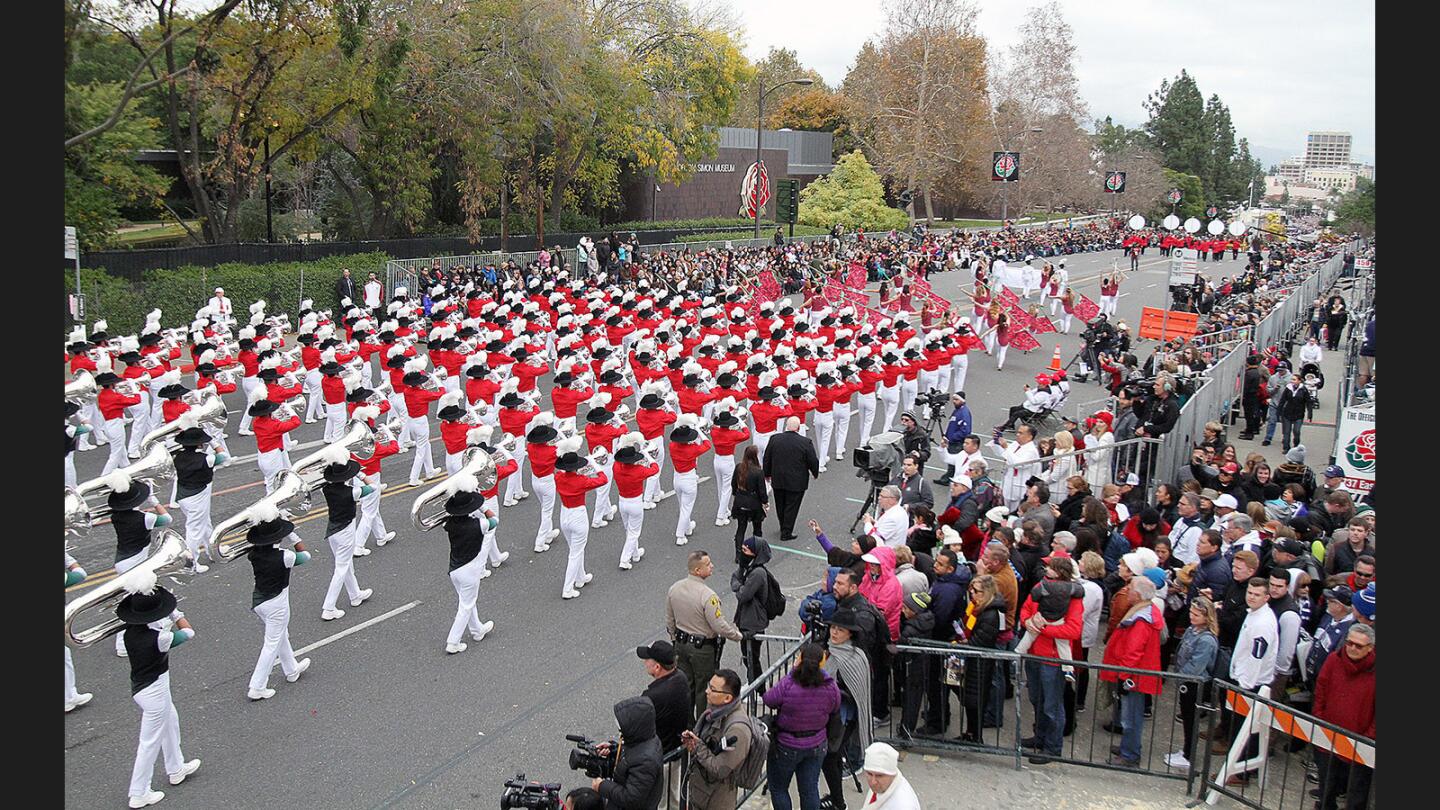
(878, 481)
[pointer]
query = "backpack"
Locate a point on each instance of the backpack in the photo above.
(750, 773)
(774, 599)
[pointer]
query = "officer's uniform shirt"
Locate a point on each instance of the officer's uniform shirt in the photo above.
(693, 608)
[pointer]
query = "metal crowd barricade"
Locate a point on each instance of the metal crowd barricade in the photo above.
(1270, 775)
(1090, 710)
(1135, 455)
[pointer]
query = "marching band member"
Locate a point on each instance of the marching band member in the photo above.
(910, 375)
(452, 429)
(467, 562)
(310, 359)
(195, 464)
(112, 406)
(480, 437)
(687, 444)
(480, 389)
(847, 382)
(769, 410)
(271, 598)
(270, 434)
(80, 360)
(417, 407)
(343, 489)
(72, 436)
(139, 377)
(332, 388)
(250, 377)
(540, 448)
(395, 365)
(890, 387)
(651, 417)
(132, 526)
(371, 523)
(572, 481)
(147, 611)
(602, 428)
(871, 375)
(729, 431)
(632, 470)
(74, 699)
(515, 414)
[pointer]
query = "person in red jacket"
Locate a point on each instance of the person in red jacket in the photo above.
(693, 391)
(514, 413)
(417, 408)
(572, 481)
(270, 436)
(540, 443)
(687, 444)
(767, 411)
(479, 386)
(602, 428)
(332, 389)
(632, 470)
(1046, 682)
(250, 371)
(310, 359)
(527, 369)
(728, 432)
(1345, 696)
(612, 382)
(651, 417)
(568, 392)
(1135, 644)
(112, 405)
(452, 430)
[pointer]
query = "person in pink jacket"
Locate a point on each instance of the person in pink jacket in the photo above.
(881, 587)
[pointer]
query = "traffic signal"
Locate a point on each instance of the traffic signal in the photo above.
(787, 201)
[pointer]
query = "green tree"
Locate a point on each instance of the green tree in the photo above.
(1356, 211)
(1177, 126)
(1249, 173)
(1192, 201)
(780, 65)
(101, 173)
(852, 196)
(816, 111)
(1114, 139)
(1219, 177)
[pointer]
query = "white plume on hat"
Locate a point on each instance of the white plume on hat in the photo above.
(799, 377)
(77, 335)
(655, 387)
(690, 420)
(479, 434)
(570, 445)
(258, 306)
(263, 345)
(270, 362)
(101, 326)
(768, 377)
(207, 356)
(246, 333)
(118, 481)
(365, 412)
(543, 418)
(141, 581)
(449, 398)
(264, 512)
(335, 453)
(256, 394)
(632, 439)
(462, 482)
(415, 364)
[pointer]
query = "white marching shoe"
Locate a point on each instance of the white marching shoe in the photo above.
(485, 628)
(364, 594)
(361, 552)
(261, 694)
(148, 799)
(625, 565)
(456, 648)
(585, 580)
(300, 667)
(331, 615)
(387, 538)
(569, 593)
(185, 770)
(80, 700)
(680, 541)
(503, 556)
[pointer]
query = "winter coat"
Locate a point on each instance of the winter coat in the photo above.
(1073, 508)
(1136, 645)
(1292, 402)
(1345, 692)
(911, 580)
(988, 625)
(674, 707)
(1197, 652)
(1213, 573)
(637, 782)
(825, 597)
(712, 784)
(922, 627)
(749, 582)
(1044, 645)
(802, 711)
(947, 601)
(884, 591)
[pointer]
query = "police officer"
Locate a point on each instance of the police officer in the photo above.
(697, 625)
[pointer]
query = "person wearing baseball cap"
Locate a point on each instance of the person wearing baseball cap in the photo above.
(888, 788)
(1334, 482)
(1330, 633)
(669, 690)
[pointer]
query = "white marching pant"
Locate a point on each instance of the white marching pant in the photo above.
(686, 485)
(514, 485)
(907, 394)
(842, 426)
(1000, 357)
(959, 364)
(418, 428)
(159, 734)
(867, 416)
(824, 427)
(602, 493)
(342, 545)
(248, 384)
(141, 425)
(890, 398)
(157, 413)
(632, 514)
(198, 526)
(762, 441)
(97, 423)
(545, 493)
(70, 691)
(397, 409)
(652, 484)
(1065, 323)
(371, 523)
(927, 380)
(724, 472)
(270, 463)
(334, 420)
(1107, 304)
(275, 613)
(453, 462)
(70, 480)
(452, 384)
(942, 378)
(490, 547)
(315, 402)
(990, 343)
(367, 374)
(466, 580)
(575, 526)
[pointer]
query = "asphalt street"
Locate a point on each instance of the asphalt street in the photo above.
(384, 717)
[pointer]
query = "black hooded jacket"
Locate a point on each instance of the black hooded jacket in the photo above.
(749, 583)
(637, 784)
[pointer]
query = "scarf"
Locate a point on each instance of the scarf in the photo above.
(849, 665)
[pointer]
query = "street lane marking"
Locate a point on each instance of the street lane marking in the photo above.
(774, 547)
(357, 628)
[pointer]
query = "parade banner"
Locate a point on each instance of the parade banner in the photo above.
(941, 303)
(1355, 448)
(856, 277)
(872, 315)
(1040, 324)
(1024, 341)
(1085, 309)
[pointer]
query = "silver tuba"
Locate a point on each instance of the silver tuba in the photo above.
(82, 390)
(156, 469)
(227, 542)
(77, 514)
(168, 556)
(210, 413)
(358, 438)
(428, 511)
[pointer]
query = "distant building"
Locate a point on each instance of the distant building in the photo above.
(1292, 170)
(713, 190)
(1364, 170)
(1327, 149)
(1342, 178)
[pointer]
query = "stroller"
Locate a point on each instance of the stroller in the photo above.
(1314, 380)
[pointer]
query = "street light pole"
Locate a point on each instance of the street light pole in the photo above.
(269, 224)
(759, 118)
(1005, 186)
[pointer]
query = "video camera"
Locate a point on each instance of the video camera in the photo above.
(879, 459)
(817, 627)
(935, 400)
(587, 757)
(522, 793)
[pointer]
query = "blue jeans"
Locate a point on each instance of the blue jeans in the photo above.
(1132, 719)
(1046, 685)
(1270, 421)
(801, 763)
(1290, 432)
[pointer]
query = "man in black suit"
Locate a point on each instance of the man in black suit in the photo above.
(788, 457)
(345, 288)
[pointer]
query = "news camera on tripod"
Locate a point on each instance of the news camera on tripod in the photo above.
(877, 461)
(1099, 337)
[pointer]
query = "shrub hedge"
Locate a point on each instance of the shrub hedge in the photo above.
(182, 291)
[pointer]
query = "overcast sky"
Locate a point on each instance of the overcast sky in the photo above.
(1284, 67)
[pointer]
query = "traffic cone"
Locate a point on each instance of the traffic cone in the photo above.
(1055, 360)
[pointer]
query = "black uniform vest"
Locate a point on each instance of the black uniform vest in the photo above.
(147, 663)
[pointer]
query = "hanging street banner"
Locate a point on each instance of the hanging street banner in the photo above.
(1355, 448)
(1005, 167)
(755, 190)
(1114, 182)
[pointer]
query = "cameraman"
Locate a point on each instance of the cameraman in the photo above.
(913, 438)
(955, 433)
(1101, 339)
(637, 784)
(710, 784)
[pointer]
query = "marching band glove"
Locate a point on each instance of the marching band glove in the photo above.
(366, 490)
(180, 636)
(302, 557)
(81, 430)
(221, 459)
(74, 576)
(163, 520)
